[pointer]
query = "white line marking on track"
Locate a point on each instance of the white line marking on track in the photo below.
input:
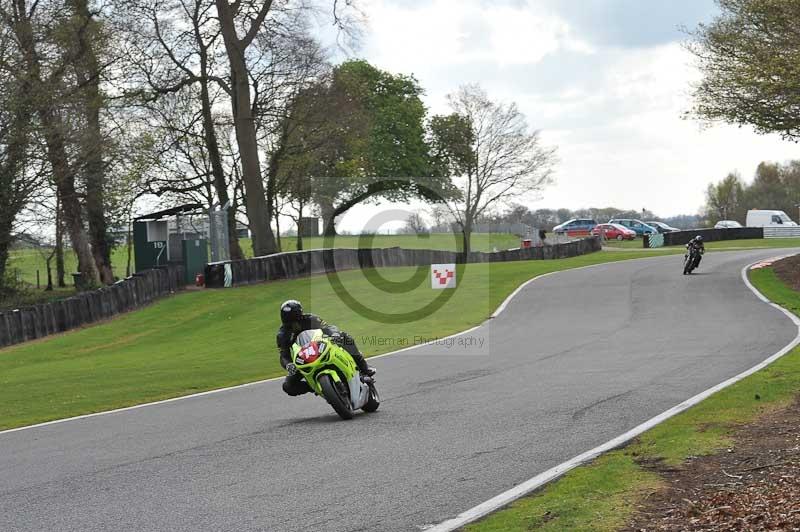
(507, 497)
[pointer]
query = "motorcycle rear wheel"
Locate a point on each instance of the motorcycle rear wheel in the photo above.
(339, 402)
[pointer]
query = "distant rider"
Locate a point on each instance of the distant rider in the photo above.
(696, 243)
(294, 321)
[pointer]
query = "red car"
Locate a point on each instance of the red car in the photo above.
(614, 232)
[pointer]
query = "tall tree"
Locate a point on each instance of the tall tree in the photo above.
(750, 59)
(16, 183)
(87, 39)
(724, 200)
(250, 15)
(363, 129)
(491, 155)
(44, 67)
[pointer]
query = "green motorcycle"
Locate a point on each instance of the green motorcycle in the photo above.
(331, 372)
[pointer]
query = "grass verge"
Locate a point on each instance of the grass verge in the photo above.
(209, 339)
(603, 494)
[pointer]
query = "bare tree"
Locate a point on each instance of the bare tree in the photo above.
(177, 49)
(415, 224)
(490, 153)
(251, 16)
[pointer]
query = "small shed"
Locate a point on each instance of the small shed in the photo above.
(172, 236)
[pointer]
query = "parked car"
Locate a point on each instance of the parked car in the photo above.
(766, 218)
(661, 227)
(614, 232)
(727, 224)
(638, 226)
(575, 227)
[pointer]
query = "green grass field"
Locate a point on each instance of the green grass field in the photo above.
(27, 261)
(604, 494)
(24, 263)
(449, 242)
(208, 339)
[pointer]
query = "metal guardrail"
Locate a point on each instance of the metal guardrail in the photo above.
(781, 232)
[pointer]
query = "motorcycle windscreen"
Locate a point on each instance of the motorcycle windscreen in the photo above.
(309, 347)
(306, 337)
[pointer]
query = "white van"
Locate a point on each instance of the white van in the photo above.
(764, 218)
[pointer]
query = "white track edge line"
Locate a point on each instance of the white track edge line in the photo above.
(496, 313)
(509, 496)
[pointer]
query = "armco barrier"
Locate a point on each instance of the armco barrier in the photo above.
(679, 238)
(296, 264)
(38, 321)
(782, 232)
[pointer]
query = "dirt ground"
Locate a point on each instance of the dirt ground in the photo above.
(788, 271)
(755, 485)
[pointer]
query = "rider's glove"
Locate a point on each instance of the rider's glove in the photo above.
(291, 369)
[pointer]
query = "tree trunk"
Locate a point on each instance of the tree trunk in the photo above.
(5, 245)
(466, 238)
(214, 156)
(256, 205)
(70, 203)
(277, 225)
(299, 245)
(88, 74)
(328, 213)
(49, 287)
(59, 245)
(129, 245)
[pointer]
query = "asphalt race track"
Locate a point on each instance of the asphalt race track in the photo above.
(576, 359)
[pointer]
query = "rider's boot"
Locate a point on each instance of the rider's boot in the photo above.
(349, 345)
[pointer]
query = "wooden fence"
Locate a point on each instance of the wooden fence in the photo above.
(38, 321)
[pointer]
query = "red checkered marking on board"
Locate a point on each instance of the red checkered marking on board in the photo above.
(443, 276)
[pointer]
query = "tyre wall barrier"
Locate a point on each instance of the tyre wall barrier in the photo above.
(291, 265)
(679, 238)
(38, 321)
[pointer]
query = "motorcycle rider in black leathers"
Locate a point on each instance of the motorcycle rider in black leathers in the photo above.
(696, 243)
(294, 321)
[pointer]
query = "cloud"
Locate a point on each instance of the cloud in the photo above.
(606, 80)
(409, 36)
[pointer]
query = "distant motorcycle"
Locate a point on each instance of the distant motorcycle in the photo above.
(331, 372)
(691, 260)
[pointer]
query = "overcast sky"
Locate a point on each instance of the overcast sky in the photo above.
(607, 81)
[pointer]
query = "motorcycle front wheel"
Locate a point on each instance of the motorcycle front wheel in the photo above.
(338, 400)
